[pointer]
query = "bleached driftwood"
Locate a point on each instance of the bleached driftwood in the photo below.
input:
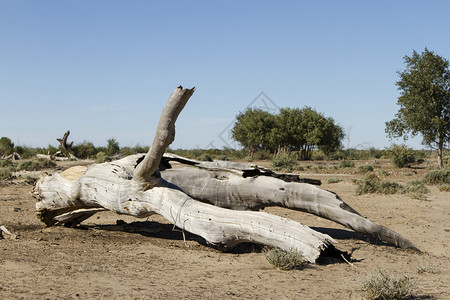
(133, 186)
(241, 186)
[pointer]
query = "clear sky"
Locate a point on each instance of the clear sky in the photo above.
(104, 69)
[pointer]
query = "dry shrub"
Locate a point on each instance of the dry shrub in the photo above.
(388, 287)
(335, 180)
(286, 260)
(437, 177)
(374, 183)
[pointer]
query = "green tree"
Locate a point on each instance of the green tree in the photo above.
(85, 150)
(331, 137)
(424, 101)
(112, 147)
(253, 129)
(6, 146)
(288, 132)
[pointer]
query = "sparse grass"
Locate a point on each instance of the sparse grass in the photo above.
(335, 180)
(388, 287)
(286, 260)
(427, 269)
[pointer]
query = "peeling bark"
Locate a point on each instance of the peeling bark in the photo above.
(215, 200)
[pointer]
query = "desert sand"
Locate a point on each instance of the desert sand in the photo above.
(119, 257)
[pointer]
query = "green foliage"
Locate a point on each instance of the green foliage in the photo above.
(204, 157)
(101, 157)
(292, 129)
(401, 156)
(253, 129)
(6, 163)
(388, 287)
(424, 100)
(286, 260)
(6, 146)
(335, 180)
(446, 161)
(35, 164)
(112, 147)
(284, 161)
(6, 173)
(347, 164)
(365, 168)
(437, 177)
(85, 150)
(416, 189)
(374, 183)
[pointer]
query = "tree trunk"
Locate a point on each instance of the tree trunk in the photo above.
(441, 153)
(77, 193)
(66, 146)
(134, 186)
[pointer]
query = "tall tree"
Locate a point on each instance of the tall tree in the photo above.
(6, 146)
(331, 138)
(424, 101)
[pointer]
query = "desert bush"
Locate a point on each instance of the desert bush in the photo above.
(437, 177)
(416, 189)
(35, 164)
(284, 161)
(335, 180)
(318, 155)
(205, 157)
(101, 157)
(401, 156)
(6, 173)
(347, 164)
(388, 287)
(6, 163)
(365, 168)
(262, 155)
(286, 260)
(85, 150)
(374, 183)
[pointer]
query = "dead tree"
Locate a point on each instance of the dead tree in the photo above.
(213, 200)
(66, 146)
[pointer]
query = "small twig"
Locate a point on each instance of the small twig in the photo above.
(343, 257)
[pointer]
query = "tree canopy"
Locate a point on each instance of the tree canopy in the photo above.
(6, 146)
(424, 101)
(292, 129)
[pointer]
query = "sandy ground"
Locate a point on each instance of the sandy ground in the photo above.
(103, 260)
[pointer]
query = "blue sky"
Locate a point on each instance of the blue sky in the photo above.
(104, 69)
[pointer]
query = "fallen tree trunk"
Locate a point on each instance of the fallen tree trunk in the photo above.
(134, 186)
(241, 186)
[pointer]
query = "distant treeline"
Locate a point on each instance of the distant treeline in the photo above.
(112, 150)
